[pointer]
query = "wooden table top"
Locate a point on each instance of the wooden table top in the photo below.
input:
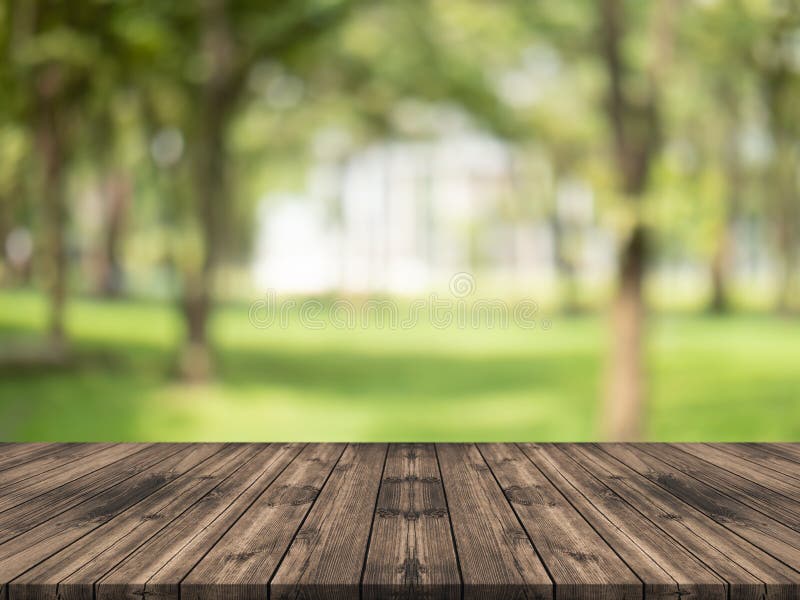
(258, 521)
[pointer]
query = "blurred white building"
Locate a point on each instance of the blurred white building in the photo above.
(403, 217)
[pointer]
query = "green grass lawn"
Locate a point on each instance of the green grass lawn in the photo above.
(731, 378)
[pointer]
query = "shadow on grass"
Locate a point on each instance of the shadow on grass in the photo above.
(111, 392)
(400, 374)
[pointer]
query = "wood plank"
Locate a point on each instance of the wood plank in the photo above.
(241, 564)
(23, 517)
(16, 476)
(247, 521)
(764, 499)
(326, 558)
(749, 572)
(772, 480)
(70, 573)
(411, 554)
(773, 537)
(792, 450)
(758, 455)
(22, 552)
(497, 558)
(708, 538)
(157, 568)
(580, 563)
(36, 485)
(666, 568)
(22, 453)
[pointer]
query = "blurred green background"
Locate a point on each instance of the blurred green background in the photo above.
(631, 167)
(711, 378)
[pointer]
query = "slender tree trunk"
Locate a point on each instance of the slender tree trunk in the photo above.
(197, 302)
(210, 185)
(624, 412)
(116, 192)
(719, 265)
(634, 123)
(788, 221)
(788, 249)
(5, 229)
(51, 149)
(723, 252)
(722, 260)
(565, 266)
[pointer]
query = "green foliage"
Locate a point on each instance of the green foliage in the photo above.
(177, 98)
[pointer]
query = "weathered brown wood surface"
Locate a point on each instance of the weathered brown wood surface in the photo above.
(449, 521)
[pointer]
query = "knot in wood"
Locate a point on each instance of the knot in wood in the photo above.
(241, 557)
(609, 495)
(294, 495)
(527, 496)
(726, 515)
(515, 533)
(213, 495)
(581, 557)
(411, 570)
(308, 534)
(662, 478)
(430, 480)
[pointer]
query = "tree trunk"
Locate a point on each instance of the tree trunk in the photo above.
(785, 303)
(635, 128)
(722, 260)
(51, 149)
(210, 185)
(788, 221)
(624, 413)
(116, 192)
(5, 229)
(565, 266)
(719, 298)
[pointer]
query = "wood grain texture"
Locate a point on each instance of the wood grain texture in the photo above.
(666, 568)
(157, 568)
(792, 451)
(70, 574)
(749, 570)
(15, 455)
(29, 549)
(23, 490)
(764, 457)
(399, 521)
(51, 503)
(579, 561)
(326, 558)
(497, 558)
(45, 465)
(774, 481)
(241, 564)
(411, 554)
(763, 499)
(773, 537)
